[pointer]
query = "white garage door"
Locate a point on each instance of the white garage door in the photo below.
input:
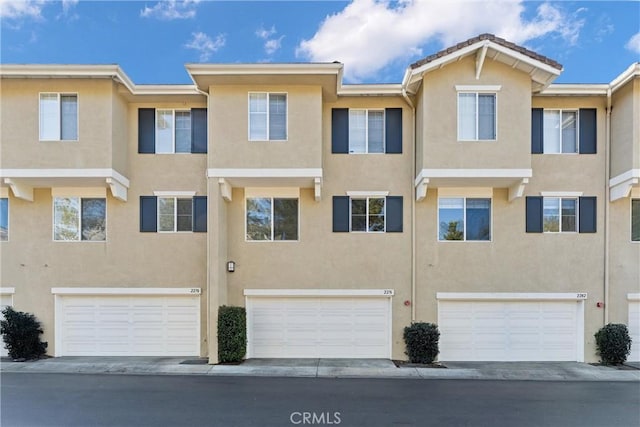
(634, 331)
(339, 327)
(511, 330)
(5, 300)
(127, 325)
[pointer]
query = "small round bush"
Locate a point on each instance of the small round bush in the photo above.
(21, 335)
(613, 343)
(421, 340)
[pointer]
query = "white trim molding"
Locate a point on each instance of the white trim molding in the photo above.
(319, 292)
(633, 297)
(622, 184)
(174, 193)
(126, 291)
(7, 291)
(561, 193)
(515, 296)
(367, 193)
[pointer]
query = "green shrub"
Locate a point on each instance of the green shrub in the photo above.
(421, 340)
(613, 344)
(21, 335)
(232, 334)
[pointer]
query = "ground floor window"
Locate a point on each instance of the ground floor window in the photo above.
(79, 218)
(271, 218)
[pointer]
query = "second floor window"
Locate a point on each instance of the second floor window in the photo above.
(366, 131)
(635, 220)
(476, 116)
(79, 218)
(367, 214)
(4, 219)
(267, 116)
(560, 214)
(272, 218)
(560, 131)
(173, 131)
(58, 117)
(463, 218)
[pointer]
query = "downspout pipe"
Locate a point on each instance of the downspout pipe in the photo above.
(413, 204)
(607, 191)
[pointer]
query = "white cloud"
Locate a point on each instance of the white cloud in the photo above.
(20, 9)
(265, 34)
(271, 44)
(168, 10)
(368, 35)
(634, 43)
(68, 12)
(205, 45)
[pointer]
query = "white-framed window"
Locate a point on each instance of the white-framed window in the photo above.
(267, 116)
(79, 219)
(4, 219)
(635, 220)
(272, 214)
(58, 117)
(560, 131)
(477, 116)
(560, 214)
(175, 214)
(366, 131)
(173, 131)
(464, 219)
(367, 214)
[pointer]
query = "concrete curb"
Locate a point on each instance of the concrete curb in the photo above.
(553, 372)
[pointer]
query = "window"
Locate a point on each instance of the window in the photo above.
(476, 116)
(560, 131)
(356, 131)
(463, 218)
(366, 131)
(559, 215)
(635, 220)
(173, 131)
(76, 218)
(267, 116)
(168, 212)
(371, 212)
(367, 214)
(4, 219)
(557, 131)
(58, 117)
(272, 218)
(175, 214)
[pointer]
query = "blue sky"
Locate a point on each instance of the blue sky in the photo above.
(376, 40)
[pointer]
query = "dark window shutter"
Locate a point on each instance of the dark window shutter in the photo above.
(588, 218)
(340, 214)
(339, 130)
(198, 130)
(148, 213)
(588, 131)
(146, 130)
(534, 214)
(393, 130)
(394, 214)
(200, 214)
(537, 131)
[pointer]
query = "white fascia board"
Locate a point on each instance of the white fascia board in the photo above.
(165, 90)
(274, 69)
(7, 291)
(473, 173)
(575, 90)
(626, 176)
(515, 296)
(64, 173)
(318, 292)
(526, 59)
(625, 76)
(370, 90)
(447, 58)
(126, 291)
(633, 297)
(265, 173)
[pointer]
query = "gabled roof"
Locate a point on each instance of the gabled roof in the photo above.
(542, 70)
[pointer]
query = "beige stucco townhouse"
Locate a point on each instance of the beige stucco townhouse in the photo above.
(475, 194)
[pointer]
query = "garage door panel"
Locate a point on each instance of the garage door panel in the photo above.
(508, 330)
(634, 330)
(128, 325)
(318, 327)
